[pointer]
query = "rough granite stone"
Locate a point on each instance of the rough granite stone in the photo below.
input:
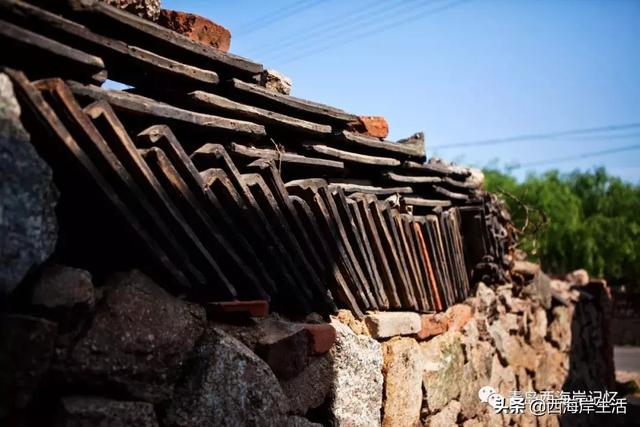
(447, 417)
(443, 360)
(538, 327)
(474, 422)
(486, 300)
(578, 277)
(503, 380)
(475, 375)
(309, 389)
(285, 346)
(346, 317)
(402, 371)
(552, 369)
(224, 383)
(560, 328)
(98, 411)
(26, 347)
(392, 323)
(356, 392)
(539, 289)
(64, 294)
(512, 348)
(149, 9)
(28, 197)
(511, 322)
(295, 421)
(138, 340)
(275, 81)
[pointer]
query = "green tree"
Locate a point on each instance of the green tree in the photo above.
(591, 221)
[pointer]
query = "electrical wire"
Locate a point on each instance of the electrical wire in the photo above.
(349, 38)
(541, 136)
(577, 157)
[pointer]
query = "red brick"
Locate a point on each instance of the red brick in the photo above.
(323, 336)
(458, 316)
(375, 126)
(256, 308)
(432, 324)
(196, 28)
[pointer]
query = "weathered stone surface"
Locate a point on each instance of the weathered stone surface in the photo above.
(503, 380)
(310, 388)
(538, 329)
(475, 375)
(197, 28)
(356, 392)
(560, 327)
(64, 293)
(443, 362)
(539, 289)
(402, 371)
(28, 197)
(375, 126)
(473, 423)
(578, 277)
(97, 411)
(432, 325)
(26, 347)
(224, 383)
(149, 9)
(285, 347)
(512, 348)
(247, 333)
(392, 323)
(346, 317)
(471, 384)
(516, 305)
(138, 340)
(315, 318)
(552, 369)
(296, 421)
(459, 315)
(275, 81)
(511, 322)
(447, 417)
(485, 300)
(526, 268)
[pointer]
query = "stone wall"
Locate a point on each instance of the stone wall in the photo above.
(125, 352)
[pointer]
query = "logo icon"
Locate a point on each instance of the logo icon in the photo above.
(489, 395)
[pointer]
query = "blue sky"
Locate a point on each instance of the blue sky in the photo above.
(477, 70)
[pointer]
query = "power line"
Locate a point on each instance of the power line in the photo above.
(357, 30)
(352, 18)
(579, 156)
(376, 30)
(540, 136)
(268, 19)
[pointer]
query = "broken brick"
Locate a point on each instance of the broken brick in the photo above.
(323, 336)
(432, 325)
(196, 28)
(375, 126)
(233, 309)
(458, 316)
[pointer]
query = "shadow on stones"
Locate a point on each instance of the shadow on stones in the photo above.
(591, 365)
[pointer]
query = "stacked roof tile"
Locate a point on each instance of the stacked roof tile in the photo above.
(235, 191)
